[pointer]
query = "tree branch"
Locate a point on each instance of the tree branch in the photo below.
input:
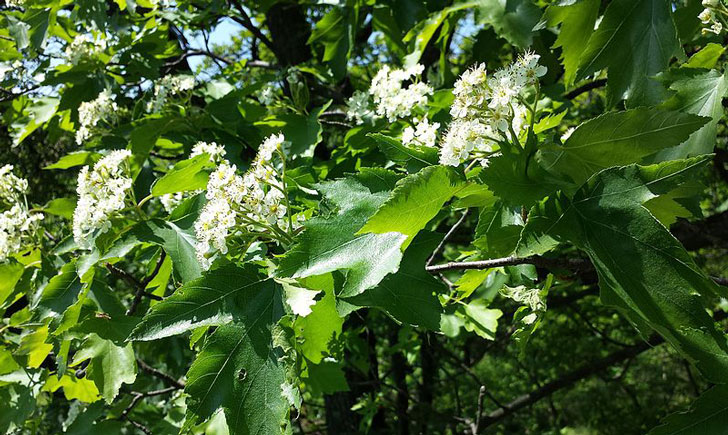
(567, 380)
(245, 21)
(585, 88)
(446, 238)
(576, 375)
(577, 264)
(141, 288)
(159, 374)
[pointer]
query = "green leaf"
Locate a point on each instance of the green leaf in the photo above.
(73, 388)
(77, 158)
(642, 268)
(186, 175)
(383, 20)
(499, 228)
(176, 236)
(422, 33)
(707, 415)
(303, 131)
(517, 181)
(335, 31)
(549, 122)
(619, 138)
(480, 319)
(411, 294)
(707, 57)
(34, 346)
(635, 40)
(330, 244)
(110, 365)
(39, 20)
(513, 20)
(411, 158)
(415, 200)
(62, 207)
(10, 273)
(36, 114)
(378, 179)
(223, 295)
(323, 326)
(700, 92)
(325, 378)
(239, 370)
(577, 24)
(61, 292)
(18, 404)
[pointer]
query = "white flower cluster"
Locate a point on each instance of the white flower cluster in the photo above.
(390, 98)
(215, 151)
(488, 109)
(14, 3)
(254, 200)
(217, 154)
(423, 133)
(166, 86)
(17, 223)
(101, 192)
(82, 48)
(713, 16)
(91, 112)
(359, 108)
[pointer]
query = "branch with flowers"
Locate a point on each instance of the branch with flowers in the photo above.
(292, 243)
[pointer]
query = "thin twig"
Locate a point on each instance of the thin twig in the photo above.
(140, 426)
(585, 88)
(568, 263)
(333, 113)
(337, 123)
(161, 375)
(141, 288)
(245, 21)
(447, 237)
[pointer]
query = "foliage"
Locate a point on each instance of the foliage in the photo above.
(363, 216)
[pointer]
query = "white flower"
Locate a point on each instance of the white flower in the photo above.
(91, 112)
(212, 227)
(391, 99)
(166, 86)
(17, 224)
(101, 193)
(408, 135)
(254, 201)
(488, 109)
(424, 133)
(464, 137)
(269, 146)
(83, 48)
(706, 16)
(503, 89)
(11, 186)
(215, 151)
(359, 108)
(170, 201)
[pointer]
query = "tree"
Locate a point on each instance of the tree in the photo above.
(363, 216)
